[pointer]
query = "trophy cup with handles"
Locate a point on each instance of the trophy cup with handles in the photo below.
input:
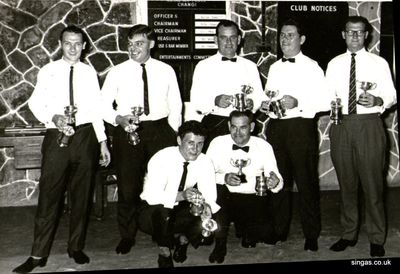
(240, 164)
(198, 207)
(65, 136)
(133, 136)
(366, 86)
(336, 111)
(239, 99)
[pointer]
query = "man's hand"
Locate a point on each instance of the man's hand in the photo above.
(126, 121)
(273, 182)
(191, 195)
(289, 102)
(265, 105)
(60, 121)
(368, 100)
(223, 101)
(232, 179)
(105, 156)
(249, 104)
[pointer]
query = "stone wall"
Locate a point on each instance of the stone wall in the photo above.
(29, 39)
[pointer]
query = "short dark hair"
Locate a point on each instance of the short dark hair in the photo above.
(73, 29)
(143, 30)
(292, 22)
(236, 113)
(358, 19)
(227, 23)
(192, 126)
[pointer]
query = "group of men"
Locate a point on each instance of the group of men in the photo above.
(163, 176)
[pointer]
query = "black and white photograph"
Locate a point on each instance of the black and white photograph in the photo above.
(217, 135)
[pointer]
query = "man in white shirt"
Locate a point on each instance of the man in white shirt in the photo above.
(358, 143)
(59, 84)
(169, 190)
(237, 197)
(218, 78)
(302, 92)
(151, 84)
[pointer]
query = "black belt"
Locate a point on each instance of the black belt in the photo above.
(83, 126)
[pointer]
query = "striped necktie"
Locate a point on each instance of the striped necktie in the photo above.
(352, 86)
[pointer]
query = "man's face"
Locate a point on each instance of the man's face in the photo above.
(190, 146)
(240, 129)
(355, 36)
(72, 46)
(228, 41)
(290, 41)
(139, 48)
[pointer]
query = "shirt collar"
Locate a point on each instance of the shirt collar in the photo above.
(219, 56)
(361, 51)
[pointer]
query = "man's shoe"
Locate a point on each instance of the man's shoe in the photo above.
(180, 253)
(165, 262)
(125, 246)
(377, 250)
(311, 244)
(342, 244)
(79, 257)
(246, 243)
(218, 254)
(30, 264)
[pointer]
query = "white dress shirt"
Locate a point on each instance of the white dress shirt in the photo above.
(164, 172)
(261, 159)
(51, 95)
(124, 84)
(369, 67)
(213, 77)
(304, 80)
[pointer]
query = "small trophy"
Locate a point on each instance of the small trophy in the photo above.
(366, 86)
(64, 137)
(209, 226)
(241, 163)
(239, 101)
(197, 206)
(133, 136)
(247, 89)
(276, 106)
(261, 185)
(336, 111)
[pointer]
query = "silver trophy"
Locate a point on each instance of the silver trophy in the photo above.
(261, 185)
(366, 86)
(240, 164)
(133, 136)
(65, 136)
(276, 106)
(239, 101)
(198, 208)
(336, 111)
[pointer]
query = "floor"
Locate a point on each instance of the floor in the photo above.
(16, 230)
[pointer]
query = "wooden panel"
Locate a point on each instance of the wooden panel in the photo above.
(28, 152)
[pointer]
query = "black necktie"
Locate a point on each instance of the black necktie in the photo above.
(71, 88)
(145, 91)
(291, 60)
(228, 59)
(352, 86)
(183, 178)
(245, 148)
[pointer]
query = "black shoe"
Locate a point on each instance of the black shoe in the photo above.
(79, 257)
(218, 254)
(342, 244)
(180, 253)
(311, 244)
(165, 262)
(377, 250)
(125, 246)
(30, 264)
(246, 243)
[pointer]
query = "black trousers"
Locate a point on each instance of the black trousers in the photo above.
(162, 223)
(358, 148)
(248, 212)
(76, 165)
(131, 163)
(216, 126)
(295, 144)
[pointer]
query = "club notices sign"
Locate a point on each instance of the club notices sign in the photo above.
(185, 29)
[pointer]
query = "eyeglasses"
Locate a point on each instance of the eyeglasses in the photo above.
(289, 36)
(354, 32)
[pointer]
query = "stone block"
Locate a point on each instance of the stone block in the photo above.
(20, 61)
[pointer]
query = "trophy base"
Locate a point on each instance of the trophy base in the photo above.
(242, 178)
